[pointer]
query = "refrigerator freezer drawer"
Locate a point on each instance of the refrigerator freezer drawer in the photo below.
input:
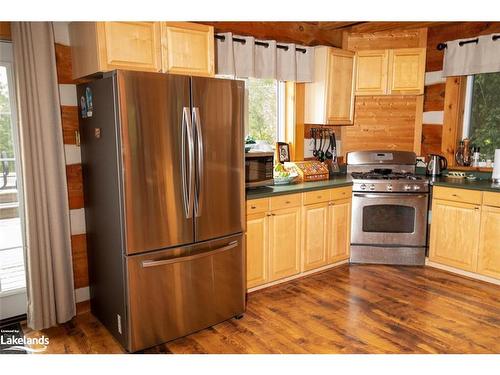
(179, 291)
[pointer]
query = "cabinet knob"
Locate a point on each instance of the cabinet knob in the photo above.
(253, 207)
(287, 202)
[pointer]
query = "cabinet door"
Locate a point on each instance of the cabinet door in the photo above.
(406, 71)
(257, 249)
(284, 243)
(489, 242)
(455, 234)
(314, 235)
(340, 93)
(188, 48)
(339, 229)
(371, 72)
(129, 45)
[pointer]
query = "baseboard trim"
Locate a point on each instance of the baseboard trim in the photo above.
(297, 276)
(82, 294)
(460, 272)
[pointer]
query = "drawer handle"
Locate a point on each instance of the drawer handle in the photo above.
(154, 263)
(253, 207)
(454, 195)
(288, 202)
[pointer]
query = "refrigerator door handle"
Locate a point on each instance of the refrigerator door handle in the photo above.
(187, 176)
(162, 262)
(201, 162)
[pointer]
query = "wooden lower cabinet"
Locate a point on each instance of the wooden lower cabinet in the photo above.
(284, 243)
(290, 234)
(315, 233)
(326, 233)
(257, 249)
(489, 242)
(339, 230)
(455, 234)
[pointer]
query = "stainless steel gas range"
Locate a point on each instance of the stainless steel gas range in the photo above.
(389, 208)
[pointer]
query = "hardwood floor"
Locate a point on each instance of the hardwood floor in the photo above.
(349, 309)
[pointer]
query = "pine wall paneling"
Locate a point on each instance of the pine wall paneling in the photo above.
(69, 117)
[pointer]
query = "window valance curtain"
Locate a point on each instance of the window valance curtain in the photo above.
(472, 56)
(263, 59)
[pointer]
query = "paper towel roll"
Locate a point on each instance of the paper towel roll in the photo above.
(496, 168)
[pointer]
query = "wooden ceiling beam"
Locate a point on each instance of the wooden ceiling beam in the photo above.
(373, 27)
(306, 33)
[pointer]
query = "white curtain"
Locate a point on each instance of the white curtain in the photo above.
(244, 57)
(271, 60)
(225, 55)
(265, 60)
(305, 64)
(482, 56)
(49, 268)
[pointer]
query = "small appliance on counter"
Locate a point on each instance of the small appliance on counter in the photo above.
(259, 169)
(437, 164)
(311, 170)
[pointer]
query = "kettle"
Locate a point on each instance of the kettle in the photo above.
(436, 165)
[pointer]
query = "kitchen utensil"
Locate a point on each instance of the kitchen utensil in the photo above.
(328, 153)
(315, 150)
(436, 165)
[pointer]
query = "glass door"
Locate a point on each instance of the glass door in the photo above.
(12, 268)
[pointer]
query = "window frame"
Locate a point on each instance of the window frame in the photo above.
(467, 113)
(280, 110)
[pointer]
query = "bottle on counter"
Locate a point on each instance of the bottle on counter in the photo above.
(459, 155)
(467, 152)
(476, 155)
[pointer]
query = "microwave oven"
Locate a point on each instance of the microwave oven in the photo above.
(259, 168)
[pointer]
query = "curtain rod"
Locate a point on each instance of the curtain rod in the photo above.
(264, 44)
(442, 46)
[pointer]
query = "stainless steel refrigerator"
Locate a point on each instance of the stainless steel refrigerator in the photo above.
(163, 170)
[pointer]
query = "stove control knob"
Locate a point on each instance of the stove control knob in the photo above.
(407, 187)
(362, 186)
(372, 187)
(416, 187)
(389, 187)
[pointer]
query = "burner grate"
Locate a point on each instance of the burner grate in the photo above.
(375, 175)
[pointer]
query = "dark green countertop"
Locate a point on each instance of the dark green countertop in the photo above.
(268, 191)
(483, 184)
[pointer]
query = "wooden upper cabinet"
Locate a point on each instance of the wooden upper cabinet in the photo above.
(390, 72)
(329, 99)
(188, 48)
(406, 71)
(371, 72)
(104, 46)
(178, 47)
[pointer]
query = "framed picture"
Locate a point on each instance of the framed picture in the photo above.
(283, 150)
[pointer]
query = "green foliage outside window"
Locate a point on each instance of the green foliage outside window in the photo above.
(262, 109)
(485, 114)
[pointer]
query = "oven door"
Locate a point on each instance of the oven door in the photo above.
(393, 219)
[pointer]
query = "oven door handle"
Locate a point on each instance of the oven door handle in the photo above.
(389, 195)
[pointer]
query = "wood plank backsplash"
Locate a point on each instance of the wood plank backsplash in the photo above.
(381, 122)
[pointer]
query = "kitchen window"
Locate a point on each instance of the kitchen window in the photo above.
(266, 107)
(482, 113)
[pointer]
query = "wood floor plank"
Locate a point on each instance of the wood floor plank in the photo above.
(348, 309)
